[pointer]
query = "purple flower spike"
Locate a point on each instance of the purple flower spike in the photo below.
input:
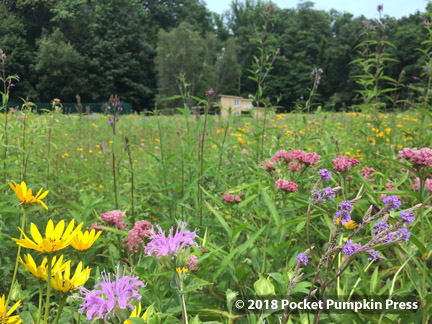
(392, 202)
(350, 248)
(162, 245)
(302, 258)
(325, 174)
(407, 216)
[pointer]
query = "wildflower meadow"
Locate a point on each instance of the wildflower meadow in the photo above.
(306, 215)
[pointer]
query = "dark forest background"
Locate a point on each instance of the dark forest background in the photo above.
(138, 49)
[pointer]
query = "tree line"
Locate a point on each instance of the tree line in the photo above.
(148, 50)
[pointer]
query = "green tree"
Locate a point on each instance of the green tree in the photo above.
(184, 52)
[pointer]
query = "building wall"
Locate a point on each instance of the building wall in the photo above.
(227, 102)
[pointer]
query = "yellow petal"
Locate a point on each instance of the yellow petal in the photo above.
(58, 232)
(37, 237)
(49, 231)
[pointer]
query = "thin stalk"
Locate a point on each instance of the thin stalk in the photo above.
(16, 263)
(201, 173)
(182, 302)
(132, 179)
(40, 302)
(62, 303)
(48, 289)
(222, 150)
(163, 164)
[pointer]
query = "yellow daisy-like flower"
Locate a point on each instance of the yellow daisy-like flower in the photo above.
(181, 270)
(9, 319)
(26, 196)
(41, 271)
(136, 313)
(64, 283)
(55, 238)
(351, 225)
(84, 241)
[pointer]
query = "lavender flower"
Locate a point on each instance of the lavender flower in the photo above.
(112, 295)
(350, 248)
(302, 258)
(403, 234)
(325, 174)
(373, 254)
(407, 216)
(324, 194)
(344, 214)
(390, 238)
(379, 227)
(162, 245)
(392, 202)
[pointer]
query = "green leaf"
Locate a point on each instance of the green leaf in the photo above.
(271, 207)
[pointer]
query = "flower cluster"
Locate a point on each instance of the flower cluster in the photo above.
(418, 158)
(286, 186)
(344, 213)
(366, 172)
(350, 247)
(392, 202)
(140, 231)
(325, 174)
(232, 199)
(268, 166)
(296, 159)
(324, 194)
(343, 163)
(162, 245)
(114, 217)
(427, 184)
(407, 216)
(109, 296)
(302, 258)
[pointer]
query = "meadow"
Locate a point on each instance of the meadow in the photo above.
(288, 206)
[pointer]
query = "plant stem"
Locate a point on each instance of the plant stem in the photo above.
(16, 264)
(60, 309)
(182, 302)
(48, 289)
(40, 302)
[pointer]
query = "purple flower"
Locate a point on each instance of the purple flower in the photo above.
(302, 258)
(373, 254)
(344, 213)
(324, 194)
(407, 216)
(379, 227)
(392, 202)
(346, 205)
(110, 121)
(112, 295)
(162, 245)
(390, 238)
(325, 174)
(350, 248)
(403, 234)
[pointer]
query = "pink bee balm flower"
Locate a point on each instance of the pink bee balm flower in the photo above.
(427, 184)
(56, 100)
(160, 244)
(286, 186)
(343, 163)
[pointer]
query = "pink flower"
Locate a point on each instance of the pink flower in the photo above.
(233, 199)
(56, 100)
(302, 158)
(114, 217)
(96, 226)
(294, 167)
(367, 173)
(140, 231)
(418, 158)
(286, 186)
(427, 184)
(268, 166)
(343, 163)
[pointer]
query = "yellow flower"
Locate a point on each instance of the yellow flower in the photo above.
(136, 313)
(26, 196)
(157, 140)
(80, 149)
(214, 146)
(350, 225)
(180, 270)
(55, 238)
(41, 271)
(84, 241)
(101, 186)
(9, 319)
(64, 283)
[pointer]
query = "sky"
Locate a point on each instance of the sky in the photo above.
(393, 8)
